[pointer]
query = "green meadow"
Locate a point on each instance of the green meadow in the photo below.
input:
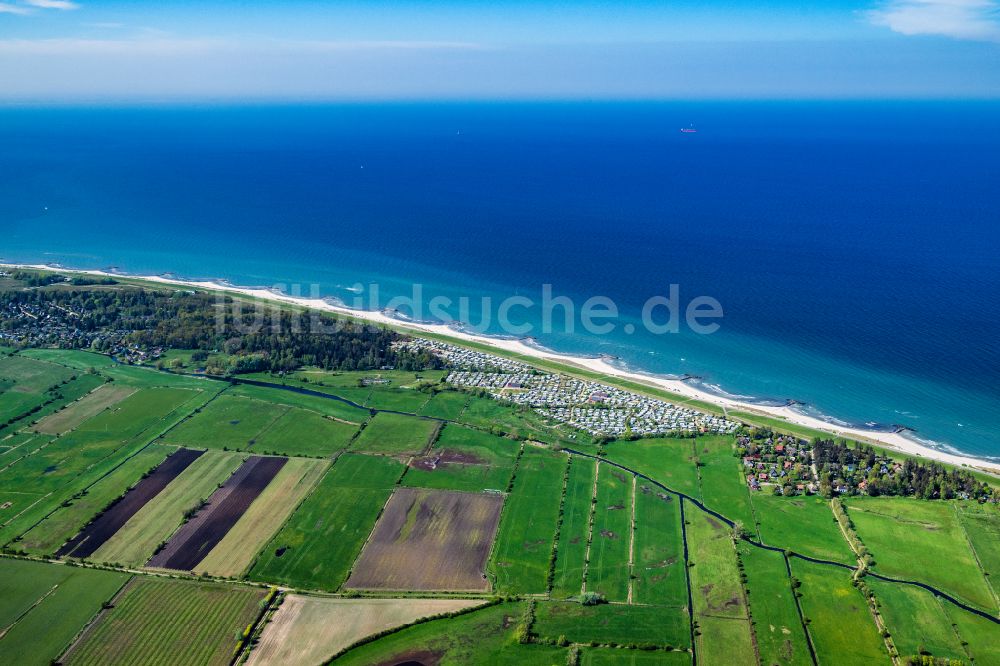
(660, 571)
(48, 601)
(447, 405)
(980, 637)
(802, 524)
(521, 554)
(917, 621)
(68, 465)
(465, 459)
(781, 637)
(485, 637)
(227, 422)
(608, 571)
(575, 530)
(298, 432)
(724, 640)
(398, 400)
(316, 548)
(323, 405)
(981, 523)
(26, 383)
(669, 461)
(837, 615)
(911, 538)
(66, 521)
(715, 577)
(395, 434)
(723, 487)
(613, 624)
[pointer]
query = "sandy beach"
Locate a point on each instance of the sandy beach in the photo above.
(898, 441)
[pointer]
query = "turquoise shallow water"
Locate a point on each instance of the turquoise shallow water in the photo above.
(853, 247)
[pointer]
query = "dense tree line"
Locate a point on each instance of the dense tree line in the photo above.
(860, 467)
(259, 337)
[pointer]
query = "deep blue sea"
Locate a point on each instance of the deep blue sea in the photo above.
(854, 247)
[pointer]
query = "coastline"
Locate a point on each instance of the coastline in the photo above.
(677, 387)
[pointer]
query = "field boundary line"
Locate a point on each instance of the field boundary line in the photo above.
(246, 645)
(559, 522)
(806, 558)
(975, 554)
(491, 569)
(954, 627)
(368, 538)
(862, 565)
(798, 607)
(631, 543)
(880, 625)
(687, 580)
(33, 606)
(288, 518)
(138, 437)
(733, 540)
(590, 528)
(194, 411)
(268, 427)
(95, 620)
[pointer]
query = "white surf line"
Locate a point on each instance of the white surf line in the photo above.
(892, 440)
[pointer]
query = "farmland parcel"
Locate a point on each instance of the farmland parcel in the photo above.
(430, 540)
(309, 630)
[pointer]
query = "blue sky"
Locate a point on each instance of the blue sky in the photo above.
(67, 50)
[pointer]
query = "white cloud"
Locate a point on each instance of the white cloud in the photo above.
(52, 4)
(960, 19)
(7, 8)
